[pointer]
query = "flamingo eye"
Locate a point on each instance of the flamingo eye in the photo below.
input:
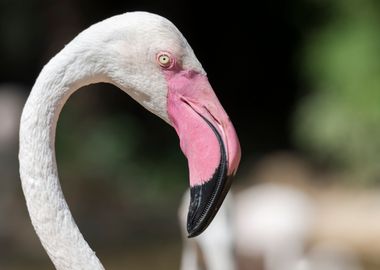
(164, 60)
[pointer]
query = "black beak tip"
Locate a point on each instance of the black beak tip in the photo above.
(192, 233)
(205, 201)
(207, 198)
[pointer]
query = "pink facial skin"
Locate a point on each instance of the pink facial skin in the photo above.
(190, 94)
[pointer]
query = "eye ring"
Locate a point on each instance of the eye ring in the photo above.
(165, 60)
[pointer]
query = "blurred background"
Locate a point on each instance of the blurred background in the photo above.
(300, 81)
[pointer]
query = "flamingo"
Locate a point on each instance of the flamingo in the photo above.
(147, 57)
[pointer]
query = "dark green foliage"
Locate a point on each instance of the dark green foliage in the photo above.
(339, 121)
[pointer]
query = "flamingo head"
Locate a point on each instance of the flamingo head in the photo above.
(158, 68)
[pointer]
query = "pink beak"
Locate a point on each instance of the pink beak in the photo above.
(208, 140)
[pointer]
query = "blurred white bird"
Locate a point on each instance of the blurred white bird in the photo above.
(268, 221)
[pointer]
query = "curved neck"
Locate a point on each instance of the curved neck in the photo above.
(49, 212)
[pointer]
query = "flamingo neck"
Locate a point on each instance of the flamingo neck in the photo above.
(48, 210)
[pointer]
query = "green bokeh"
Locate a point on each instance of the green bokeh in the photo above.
(339, 121)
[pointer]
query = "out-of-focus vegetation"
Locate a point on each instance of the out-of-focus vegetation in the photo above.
(339, 121)
(117, 149)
